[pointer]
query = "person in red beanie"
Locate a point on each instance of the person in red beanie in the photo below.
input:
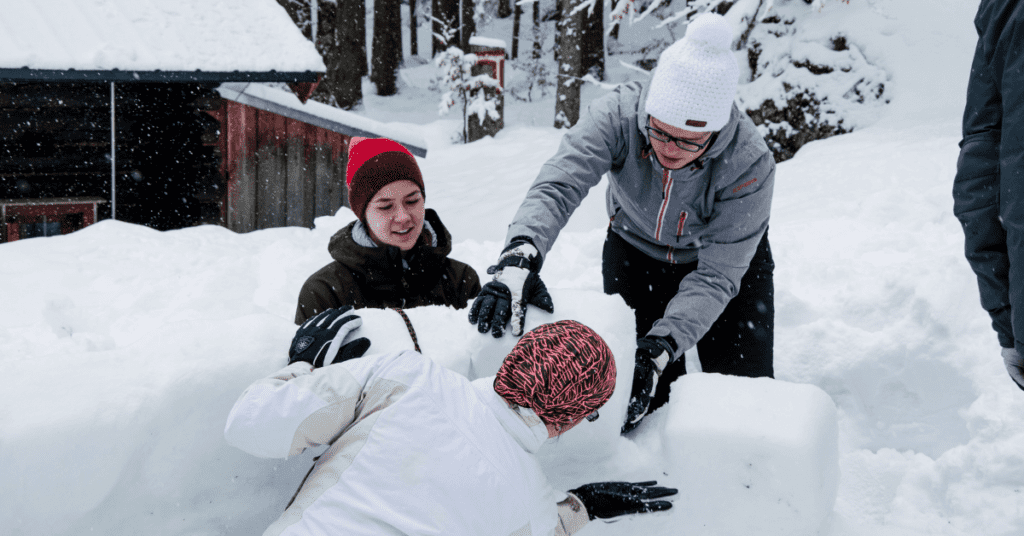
(396, 253)
(414, 448)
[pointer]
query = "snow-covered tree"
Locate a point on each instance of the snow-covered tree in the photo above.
(799, 85)
(464, 89)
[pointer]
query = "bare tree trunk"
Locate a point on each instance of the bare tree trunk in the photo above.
(357, 10)
(593, 41)
(567, 92)
(503, 9)
(350, 44)
(413, 45)
(515, 30)
(538, 47)
(387, 45)
(468, 28)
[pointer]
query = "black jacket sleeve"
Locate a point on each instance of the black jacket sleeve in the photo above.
(987, 191)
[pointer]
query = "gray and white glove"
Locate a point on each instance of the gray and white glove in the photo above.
(515, 285)
(652, 355)
(1014, 365)
(320, 341)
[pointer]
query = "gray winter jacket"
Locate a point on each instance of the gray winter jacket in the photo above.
(713, 212)
(988, 192)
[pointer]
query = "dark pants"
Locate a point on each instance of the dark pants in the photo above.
(739, 341)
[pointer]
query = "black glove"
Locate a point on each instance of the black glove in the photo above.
(1014, 365)
(612, 499)
(515, 284)
(652, 354)
(319, 340)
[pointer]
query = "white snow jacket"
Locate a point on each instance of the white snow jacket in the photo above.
(415, 449)
(714, 211)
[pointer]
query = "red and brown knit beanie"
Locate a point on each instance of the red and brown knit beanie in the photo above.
(562, 371)
(373, 163)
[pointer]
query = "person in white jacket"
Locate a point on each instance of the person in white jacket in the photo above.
(417, 449)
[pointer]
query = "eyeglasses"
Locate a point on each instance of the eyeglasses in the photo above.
(683, 144)
(593, 416)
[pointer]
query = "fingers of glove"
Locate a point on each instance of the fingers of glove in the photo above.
(327, 317)
(484, 312)
(500, 317)
(311, 320)
(352, 350)
(345, 326)
(655, 492)
(474, 311)
(657, 506)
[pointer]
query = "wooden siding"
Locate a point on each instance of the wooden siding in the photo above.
(280, 172)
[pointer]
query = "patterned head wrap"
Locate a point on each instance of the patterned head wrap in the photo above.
(562, 371)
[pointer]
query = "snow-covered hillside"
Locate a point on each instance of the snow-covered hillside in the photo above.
(123, 348)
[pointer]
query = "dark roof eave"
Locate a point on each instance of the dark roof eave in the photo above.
(25, 74)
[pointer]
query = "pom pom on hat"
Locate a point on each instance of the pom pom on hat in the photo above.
(373, 163)
(694, 85)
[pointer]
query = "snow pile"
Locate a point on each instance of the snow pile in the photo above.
(183, 35)
(128, 348)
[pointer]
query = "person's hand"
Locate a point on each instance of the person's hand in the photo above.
(612, 499)
(1014, 365)
(652, 354)
(515, 285)
(320, 341)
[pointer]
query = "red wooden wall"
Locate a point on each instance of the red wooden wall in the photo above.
(280, 172)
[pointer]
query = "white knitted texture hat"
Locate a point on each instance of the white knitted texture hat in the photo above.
(694, 86)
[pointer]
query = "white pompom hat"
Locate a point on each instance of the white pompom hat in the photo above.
(694, 86)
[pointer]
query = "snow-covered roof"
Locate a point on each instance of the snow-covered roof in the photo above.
(145, 36)
(487, 42)
(285, 103)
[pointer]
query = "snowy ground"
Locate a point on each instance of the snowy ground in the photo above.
(123, 348)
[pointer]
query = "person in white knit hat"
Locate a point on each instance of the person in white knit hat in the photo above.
(690, 184)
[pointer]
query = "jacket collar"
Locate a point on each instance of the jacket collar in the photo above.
(521, 423)
(385, 267)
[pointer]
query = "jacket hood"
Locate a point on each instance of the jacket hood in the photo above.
(721, 141)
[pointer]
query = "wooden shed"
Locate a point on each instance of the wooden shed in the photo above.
(163, 114)
(283, 159)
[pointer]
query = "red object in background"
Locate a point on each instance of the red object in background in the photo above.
(493, 58)
(17, 212)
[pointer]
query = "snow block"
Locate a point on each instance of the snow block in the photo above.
(750, 456)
